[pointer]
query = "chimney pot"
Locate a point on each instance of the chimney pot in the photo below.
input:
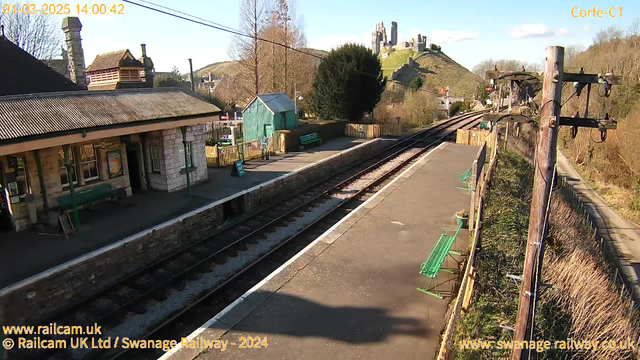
(144, 49)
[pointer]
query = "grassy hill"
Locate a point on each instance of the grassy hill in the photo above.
(219, 68)
(436, 69)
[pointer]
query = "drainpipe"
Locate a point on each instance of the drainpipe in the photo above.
(183, 129)
(43, 188)
(76, 218)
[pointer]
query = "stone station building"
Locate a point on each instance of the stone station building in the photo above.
(129, 139)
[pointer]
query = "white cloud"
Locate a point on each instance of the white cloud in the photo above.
(535, 30)
(331, 41)
(586, 28)
(446, 37)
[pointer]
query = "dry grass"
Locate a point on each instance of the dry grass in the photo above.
(584, 291)
(581, 303)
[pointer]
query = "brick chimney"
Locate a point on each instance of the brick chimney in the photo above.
(71, 27)
(148, 66)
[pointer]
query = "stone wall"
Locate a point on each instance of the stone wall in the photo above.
(174, 157)
(33, 299)
(171, 176)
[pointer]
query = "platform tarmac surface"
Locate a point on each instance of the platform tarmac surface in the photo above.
(27, 253)
(352, 293)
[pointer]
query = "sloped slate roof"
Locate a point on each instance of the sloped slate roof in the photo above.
(23, 116)
(278, 102)
(113, 60)
(21, 73)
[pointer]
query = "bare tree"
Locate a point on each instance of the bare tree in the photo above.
(634, 28)
(285, 69)
(37, 34)
(609, 34)
(246, 50)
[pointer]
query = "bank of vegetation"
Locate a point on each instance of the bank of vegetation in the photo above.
(612, 168)
(579, 300)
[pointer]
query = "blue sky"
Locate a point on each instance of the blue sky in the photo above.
(468, 31)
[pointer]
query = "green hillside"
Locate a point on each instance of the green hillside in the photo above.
(436, 69)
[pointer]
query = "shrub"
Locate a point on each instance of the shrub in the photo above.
(457, 107)
(349, 82)
(416, 83)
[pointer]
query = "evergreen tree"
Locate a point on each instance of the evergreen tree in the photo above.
(348, 83)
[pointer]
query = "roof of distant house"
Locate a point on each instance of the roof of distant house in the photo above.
(25, 116)
(278, 102)
(114, 59)
(22, 73)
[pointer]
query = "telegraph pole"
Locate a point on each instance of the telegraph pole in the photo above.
(544, 163)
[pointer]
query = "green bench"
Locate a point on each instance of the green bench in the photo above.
(432, 267)
(310, 139)
(465, 177)
(86, 196)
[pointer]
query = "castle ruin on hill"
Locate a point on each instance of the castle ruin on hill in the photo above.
(380, 42)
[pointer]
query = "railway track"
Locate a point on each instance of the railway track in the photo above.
(172, 296)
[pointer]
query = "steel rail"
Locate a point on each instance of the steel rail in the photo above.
(411, 140)
(381, 178)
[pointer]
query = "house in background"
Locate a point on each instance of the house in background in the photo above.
(54, 136)
(120, 70)
(267, 113)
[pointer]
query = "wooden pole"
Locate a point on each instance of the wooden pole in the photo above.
(545, 164)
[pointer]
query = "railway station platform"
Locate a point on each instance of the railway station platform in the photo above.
(30, 252)
(351, 294)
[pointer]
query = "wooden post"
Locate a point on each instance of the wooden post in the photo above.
(545, 164)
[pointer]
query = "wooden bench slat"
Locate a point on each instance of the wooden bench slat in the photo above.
(86, 196)
(431, 267)
(309, 138)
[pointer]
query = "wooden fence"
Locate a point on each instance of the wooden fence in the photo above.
(463, 298)
(369, 131)
(474, 137)
(220, 156)
(390, 129)
(362, 131)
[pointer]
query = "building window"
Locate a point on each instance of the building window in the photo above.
(89, 162)
(189, 155)
(17, 182)
(156, 158)
(64, 174)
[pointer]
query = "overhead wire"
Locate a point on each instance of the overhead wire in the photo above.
(214, 25)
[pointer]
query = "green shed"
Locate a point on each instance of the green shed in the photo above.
(267, 113)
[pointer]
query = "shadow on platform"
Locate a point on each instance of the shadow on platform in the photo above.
(294, 316)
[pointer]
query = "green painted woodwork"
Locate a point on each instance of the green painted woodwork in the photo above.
(433, 266)
(257, 116)
(310, 139)
(86, 196)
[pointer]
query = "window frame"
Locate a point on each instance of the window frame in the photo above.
(155, 157)
(74, 168)
(189, 156)
(95, 160)
(24, 178)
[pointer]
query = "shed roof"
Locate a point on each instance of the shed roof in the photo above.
(278, 102)
(114, 59)
(21, 73)
(23, 116)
